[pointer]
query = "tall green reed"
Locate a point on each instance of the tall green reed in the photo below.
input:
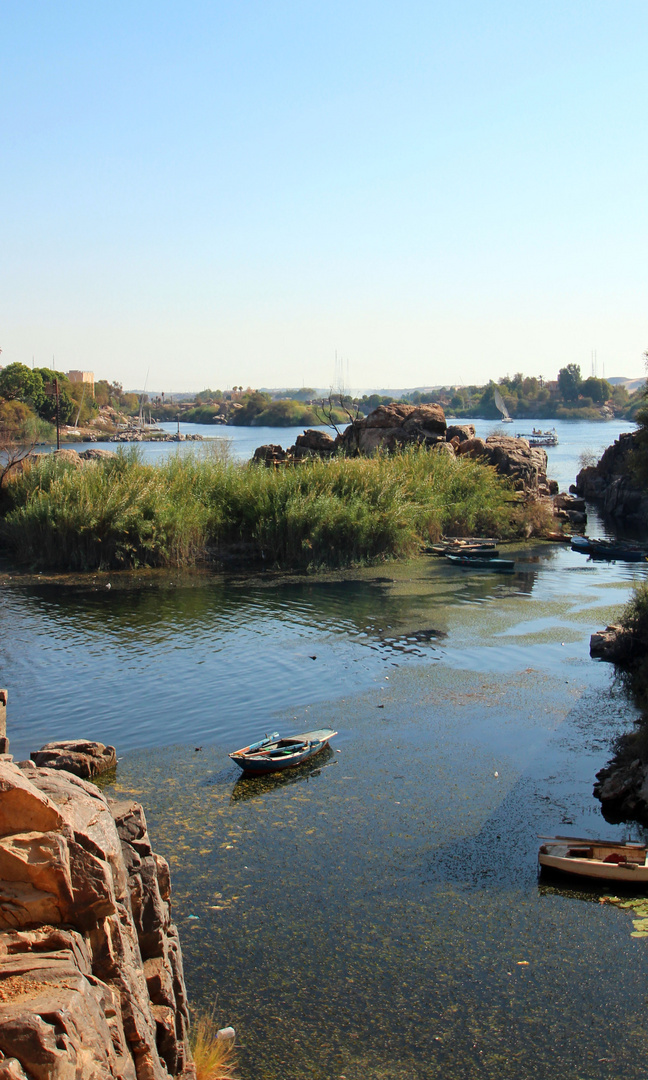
(120, 512)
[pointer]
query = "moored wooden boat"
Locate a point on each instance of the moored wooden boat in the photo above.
(272, 754)
(479, 562)
(608, 549)
(487, 548)
(604, 860)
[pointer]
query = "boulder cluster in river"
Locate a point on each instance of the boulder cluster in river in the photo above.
(91, 978)
(395, 426)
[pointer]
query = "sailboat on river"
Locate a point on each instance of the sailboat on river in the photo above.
(501, 407)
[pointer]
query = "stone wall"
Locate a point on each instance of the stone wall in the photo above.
(91, 979)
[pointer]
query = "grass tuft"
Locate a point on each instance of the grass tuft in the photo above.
(215, 1059)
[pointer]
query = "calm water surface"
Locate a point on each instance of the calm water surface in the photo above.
(377, 914)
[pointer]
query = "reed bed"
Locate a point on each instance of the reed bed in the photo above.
(123, 513)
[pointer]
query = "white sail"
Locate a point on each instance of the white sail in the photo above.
(499, 402)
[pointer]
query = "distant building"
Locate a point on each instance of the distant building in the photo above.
(82, 377)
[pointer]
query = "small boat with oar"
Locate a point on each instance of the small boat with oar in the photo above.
(272, 753)
(487, 550)
(480, 562)
(608, 549)
(607, 860)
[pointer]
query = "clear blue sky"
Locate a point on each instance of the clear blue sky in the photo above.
(228, 192)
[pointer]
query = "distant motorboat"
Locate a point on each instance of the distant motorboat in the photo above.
(540, 438)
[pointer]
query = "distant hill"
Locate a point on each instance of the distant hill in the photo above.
(630, 384)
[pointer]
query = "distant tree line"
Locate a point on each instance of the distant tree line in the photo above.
(569, 396)
(27, 401)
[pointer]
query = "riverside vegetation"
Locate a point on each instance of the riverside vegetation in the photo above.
(120, 513)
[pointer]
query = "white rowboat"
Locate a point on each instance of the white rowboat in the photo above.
(601, 859)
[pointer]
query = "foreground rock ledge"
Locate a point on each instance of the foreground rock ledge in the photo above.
(91, 979)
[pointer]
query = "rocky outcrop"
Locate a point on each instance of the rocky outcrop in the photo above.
(91, 981)
(613, 482)
(314, 442)
(392, 427)
(570, 508)
(525, 465)
(97, 454)
(4, 742)
(461, 432)
(82, 757)
(616, 643)
(623, 789)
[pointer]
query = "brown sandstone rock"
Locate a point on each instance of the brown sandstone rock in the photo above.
(35, 880)
(87, 816)
(388, 416)
(96, 454)
(79, 756)
(269, 454)
(516, 459)
(48, 939)
(11, 1069)
(473, 446)
(460, 431)
(71, 457)
(614, 484)
(314, 442)
(159, 981)
(92, 882)
(165, 1035)
(446, 449)
(22, 807)
(369, 440)
(426, 419)
(76, 1005)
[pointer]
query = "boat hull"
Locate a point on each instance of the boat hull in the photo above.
(633, 874)
(261, 758)
(272, 765)
(607, 549)
(501, 566)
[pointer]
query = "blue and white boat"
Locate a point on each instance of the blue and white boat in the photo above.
(272, 754)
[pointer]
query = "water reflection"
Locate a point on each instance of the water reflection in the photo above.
(253, 787)
(385, 908)
(207, 658)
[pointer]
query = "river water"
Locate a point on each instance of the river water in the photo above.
(575, 439)
(377, 914)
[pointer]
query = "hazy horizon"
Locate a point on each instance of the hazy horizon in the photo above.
(233, 194)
